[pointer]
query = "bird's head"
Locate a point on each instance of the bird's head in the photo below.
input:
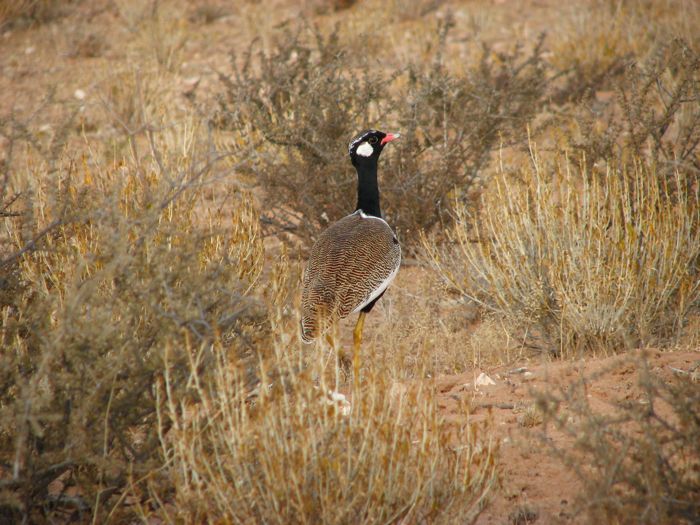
(368, 145)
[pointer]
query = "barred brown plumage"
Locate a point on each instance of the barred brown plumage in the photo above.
(352, 262)
(356, 258)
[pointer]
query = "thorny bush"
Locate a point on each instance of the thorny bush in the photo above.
(299, 105)
(104, 268)
(641, 462)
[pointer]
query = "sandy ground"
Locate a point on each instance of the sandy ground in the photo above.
(532, 477)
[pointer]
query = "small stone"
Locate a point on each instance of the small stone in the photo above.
(79, 94)
(191, 81)
(484, 380)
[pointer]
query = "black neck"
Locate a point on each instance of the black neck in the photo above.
(367, 188)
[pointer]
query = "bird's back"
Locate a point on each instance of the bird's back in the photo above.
(350, 265)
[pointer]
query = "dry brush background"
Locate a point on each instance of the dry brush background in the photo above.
(165, 166)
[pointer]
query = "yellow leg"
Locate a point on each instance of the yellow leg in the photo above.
(357, 342)
(331, 339)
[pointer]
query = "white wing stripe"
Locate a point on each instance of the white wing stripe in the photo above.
(377, 291)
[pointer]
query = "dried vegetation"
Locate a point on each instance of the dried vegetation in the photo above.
(297, 104)
(150, 365)
(596, 262)
(596, 246)
(106, 268)
(641, 462)
(293, 450)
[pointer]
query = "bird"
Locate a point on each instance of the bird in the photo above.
(355, 259)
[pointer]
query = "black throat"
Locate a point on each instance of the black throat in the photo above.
(367, 188)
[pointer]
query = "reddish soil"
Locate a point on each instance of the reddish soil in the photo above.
(532, 477)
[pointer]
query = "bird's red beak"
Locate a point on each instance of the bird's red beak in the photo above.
(389, 137)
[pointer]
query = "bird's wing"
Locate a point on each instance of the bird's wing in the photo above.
(350, 265)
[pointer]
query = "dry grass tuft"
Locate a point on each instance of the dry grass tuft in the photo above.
(531, 417)
(292, 452)
(597, 262)
(105, 266)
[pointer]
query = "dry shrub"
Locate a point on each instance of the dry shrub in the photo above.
(14, 12)
(299, 105)
(600, 253)
(453, 123)
(597, 262)
(641, 462)
(593, 42)
(110, 265)
(654, 115)
(291, 451)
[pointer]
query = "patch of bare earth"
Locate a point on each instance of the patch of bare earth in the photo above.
(536, 486)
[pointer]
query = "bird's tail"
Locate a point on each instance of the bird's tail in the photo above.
(314, 322)
(309, 330)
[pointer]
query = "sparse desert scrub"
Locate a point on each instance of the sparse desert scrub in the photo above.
(105, 266)
(595, 43)
(290, 451)
(298, 105)
(596, 245)
(137, 340)
(145, 370)
(654, 114)
(641, 462)
(595, 261)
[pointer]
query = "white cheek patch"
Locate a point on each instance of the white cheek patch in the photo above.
(365, 149)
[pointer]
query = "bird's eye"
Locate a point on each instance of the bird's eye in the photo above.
(372, 140)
